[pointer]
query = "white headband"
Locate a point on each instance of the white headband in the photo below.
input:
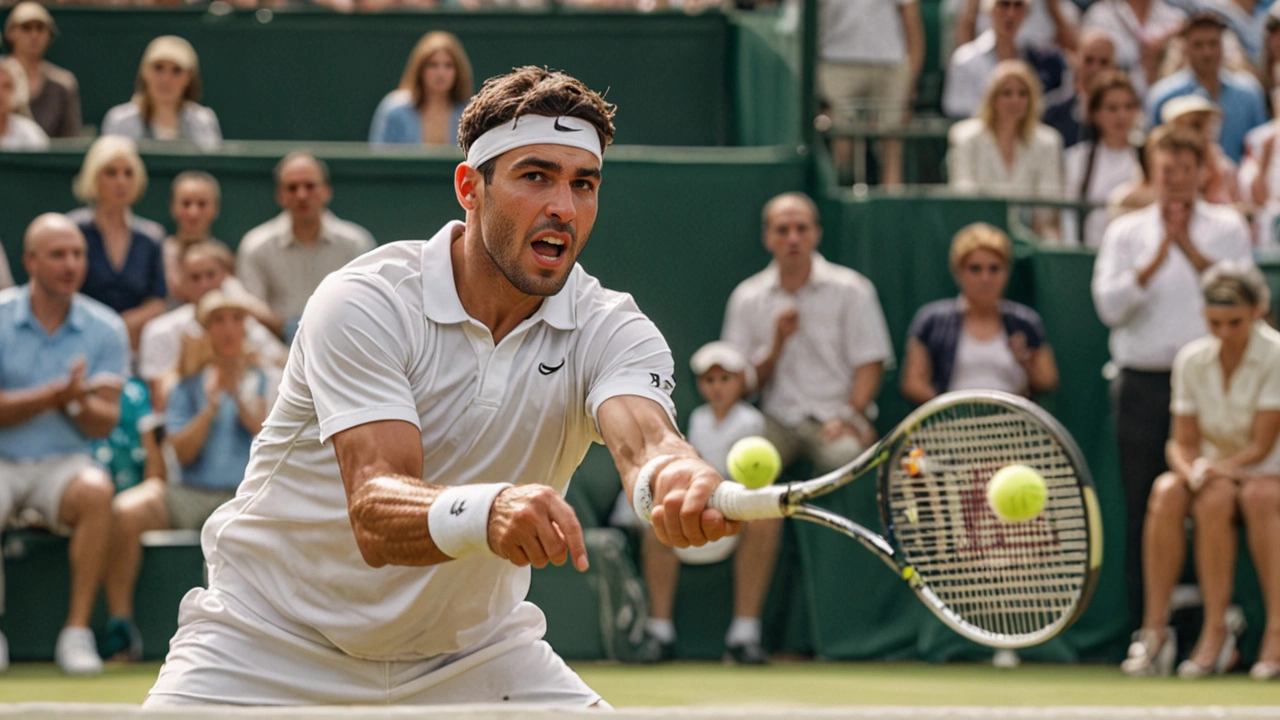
(535, 130)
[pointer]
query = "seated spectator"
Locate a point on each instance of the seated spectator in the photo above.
(214, 412)
(1218, 182)
(283, 260)
(1065, 111)
(1097, 167)
(206, 266)
(1259, 178)
(972, 64)
(53, 93)
(126, 267)
(196, 200)
(724, 378)
(63, 358)
(1004, 149)
(433, 91)
(17, 132)
(1141, 30)
(1224, 467)
(165, 103)
(1238, 94)
(978, 341)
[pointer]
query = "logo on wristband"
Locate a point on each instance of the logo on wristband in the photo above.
(458, 507)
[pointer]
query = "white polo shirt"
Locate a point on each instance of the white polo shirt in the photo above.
(1149, 325)
(386, 338)
(1225, 415)
(841, 328)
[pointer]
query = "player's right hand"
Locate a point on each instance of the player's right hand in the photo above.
(680, 515)
(533, 525)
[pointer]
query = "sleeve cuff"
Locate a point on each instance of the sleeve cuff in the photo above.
(335, 424)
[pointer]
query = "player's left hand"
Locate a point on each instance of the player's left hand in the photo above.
(680, 515)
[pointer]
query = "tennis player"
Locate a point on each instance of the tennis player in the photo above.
(437, 399)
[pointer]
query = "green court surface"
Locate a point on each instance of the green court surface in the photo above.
(815, 684)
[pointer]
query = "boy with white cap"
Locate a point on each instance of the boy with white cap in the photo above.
(724, 377)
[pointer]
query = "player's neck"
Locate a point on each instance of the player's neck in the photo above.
(485, 293)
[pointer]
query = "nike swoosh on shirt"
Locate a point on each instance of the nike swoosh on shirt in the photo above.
(546, 369)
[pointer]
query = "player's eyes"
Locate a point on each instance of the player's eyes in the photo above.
(534, 176)
(584, 185)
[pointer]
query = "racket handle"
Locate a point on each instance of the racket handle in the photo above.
(739, 503)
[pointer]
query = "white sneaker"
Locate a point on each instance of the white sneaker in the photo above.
(77, 652)
(1006, 659)
(4, 653)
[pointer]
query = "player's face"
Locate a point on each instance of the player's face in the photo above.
(1204, 50)
(1013, 99)
(1230, 323)
(57, 263)
(226, 331)
(166, 81)
(439, 73)
(792, 234)
(982, 277)
(1176, 174)
(30, 39)
(194, 209)
(1116, 114)
(201, 274)
(537, 214)
(303, 191)
(116, 183)
(720, 388)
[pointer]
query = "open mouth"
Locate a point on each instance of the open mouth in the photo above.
(549, 249)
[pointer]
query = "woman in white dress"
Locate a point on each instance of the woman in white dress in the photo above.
(1096, 167)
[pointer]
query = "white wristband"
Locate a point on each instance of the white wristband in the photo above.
(642, 494)
(459, 519)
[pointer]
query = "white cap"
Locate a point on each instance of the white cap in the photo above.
(725, 355)
(174, 49)
(1184, 104)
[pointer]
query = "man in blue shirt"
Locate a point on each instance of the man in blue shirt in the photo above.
(62, 364)
(1238, 94)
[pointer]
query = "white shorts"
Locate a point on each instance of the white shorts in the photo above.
(38, 484)
(225, 654)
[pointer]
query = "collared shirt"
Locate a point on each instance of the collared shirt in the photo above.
(220, 463)
(975, 163)
(196, 123)
(1149, 325)
(1240, 98)
(283, 272)
(387, 338)
(1224, 413)
(841, 328)
(161, 345)
(30, 357)
(138, 280)
(1117, 18)
(971, 66)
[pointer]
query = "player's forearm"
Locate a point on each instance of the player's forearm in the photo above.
(637, 430)
(389, 518)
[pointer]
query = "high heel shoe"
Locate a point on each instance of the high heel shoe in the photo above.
(1190, 669)
(1149, 656)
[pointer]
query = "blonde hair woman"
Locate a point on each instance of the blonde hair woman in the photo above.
(1004, 149)
(1224, 466)
(126, 267)
(165, 103)
(17, 132)
(433, 91)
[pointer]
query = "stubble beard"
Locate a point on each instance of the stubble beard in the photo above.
(497, 234)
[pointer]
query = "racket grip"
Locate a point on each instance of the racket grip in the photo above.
(739, 503)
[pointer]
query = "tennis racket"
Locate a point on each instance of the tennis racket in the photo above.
(1001, 584)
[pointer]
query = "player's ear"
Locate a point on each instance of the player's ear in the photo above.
(466, 184)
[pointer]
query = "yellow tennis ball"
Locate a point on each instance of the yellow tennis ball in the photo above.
(754, 462)
(1016, 493)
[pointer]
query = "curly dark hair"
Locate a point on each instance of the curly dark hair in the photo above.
(532, 90)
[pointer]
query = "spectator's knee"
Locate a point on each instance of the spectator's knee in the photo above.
(92, 492)
(1260, 496)
(1215, 501)
(1170, 497)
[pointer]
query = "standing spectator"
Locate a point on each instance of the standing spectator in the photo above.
(283, 260)
(1237, 93)
(1005, 149)
(16, 131)
(53, 93)
(1259, 178)
(165, 103)
(978, 341)
(1267, 74)
(62, 363)
(1218, 182)
(1097, 167)
(433, 91)
(871, 53)
(1065, 112)
(196, 201)
(126, 268)
(206, 265)
(1224, 467)
(1146, 289)
(817, 338)
(1141, 30)
(1050, 24)
(972, 64)
(212, 416)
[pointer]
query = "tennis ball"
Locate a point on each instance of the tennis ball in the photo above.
(754, 462)
(1016, 493)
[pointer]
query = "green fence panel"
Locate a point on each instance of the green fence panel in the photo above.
(767, 87)
(317, 75)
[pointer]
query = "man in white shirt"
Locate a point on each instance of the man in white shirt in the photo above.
(283, 260)
(1146, 289)
(376, 552)
(817, 337)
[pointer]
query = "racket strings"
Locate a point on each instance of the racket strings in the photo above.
(1016, 580)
